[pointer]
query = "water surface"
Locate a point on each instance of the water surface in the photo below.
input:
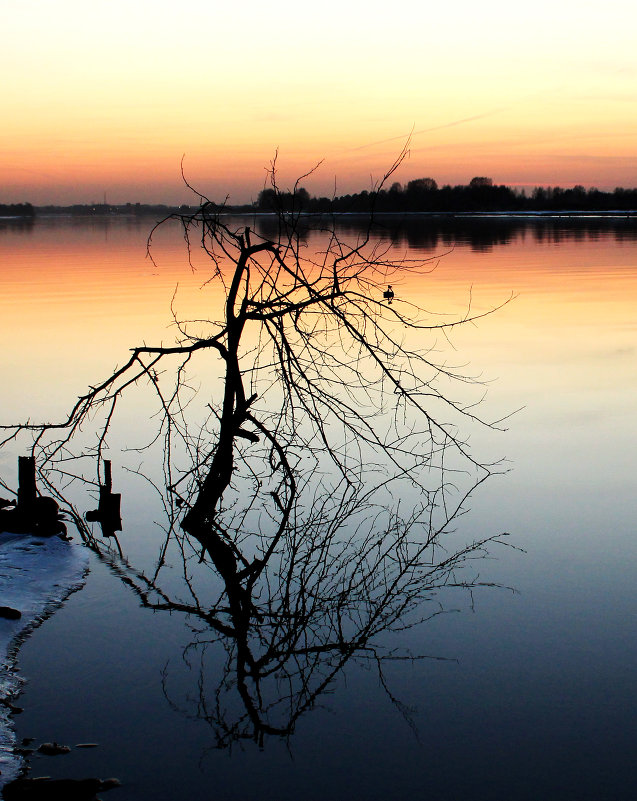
(538, 698)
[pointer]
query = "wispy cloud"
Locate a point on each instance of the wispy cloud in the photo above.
(7, 168)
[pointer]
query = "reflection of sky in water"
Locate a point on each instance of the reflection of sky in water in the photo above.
(540, 703)
(36, 575)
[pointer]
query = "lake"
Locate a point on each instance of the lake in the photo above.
(529, 692)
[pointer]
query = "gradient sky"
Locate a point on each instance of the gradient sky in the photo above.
(105, 97)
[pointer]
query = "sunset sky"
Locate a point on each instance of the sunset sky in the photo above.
(105, 97)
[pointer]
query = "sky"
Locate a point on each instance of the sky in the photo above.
(110, 98)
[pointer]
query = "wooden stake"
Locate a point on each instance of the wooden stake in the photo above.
(27, 492)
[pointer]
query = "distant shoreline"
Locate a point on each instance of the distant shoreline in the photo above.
(436, 215)
(421, 196)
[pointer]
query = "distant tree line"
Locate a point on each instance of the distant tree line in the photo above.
(158, 210)
(16, 210)
(418, 195)
(480, 195)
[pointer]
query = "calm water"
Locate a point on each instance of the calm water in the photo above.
(536, 698)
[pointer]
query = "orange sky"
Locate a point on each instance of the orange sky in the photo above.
(105, 97)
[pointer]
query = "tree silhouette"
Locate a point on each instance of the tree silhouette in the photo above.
(480, 183)
(422, 185)
(310, 502)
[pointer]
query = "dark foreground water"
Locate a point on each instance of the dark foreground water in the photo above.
(536, 698)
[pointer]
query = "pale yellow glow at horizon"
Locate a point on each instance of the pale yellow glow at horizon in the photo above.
(107, 97)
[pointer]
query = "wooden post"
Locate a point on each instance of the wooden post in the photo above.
(27, 492)
(115, 510)
(108, 512)
(108, 478)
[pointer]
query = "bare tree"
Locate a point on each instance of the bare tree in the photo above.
(319, 483)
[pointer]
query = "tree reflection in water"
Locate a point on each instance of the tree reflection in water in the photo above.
(311, 498)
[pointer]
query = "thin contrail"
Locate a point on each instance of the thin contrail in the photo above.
(403, 137)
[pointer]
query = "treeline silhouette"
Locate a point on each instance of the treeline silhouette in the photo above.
(158, 210)
(16, 210)
(480, 195)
